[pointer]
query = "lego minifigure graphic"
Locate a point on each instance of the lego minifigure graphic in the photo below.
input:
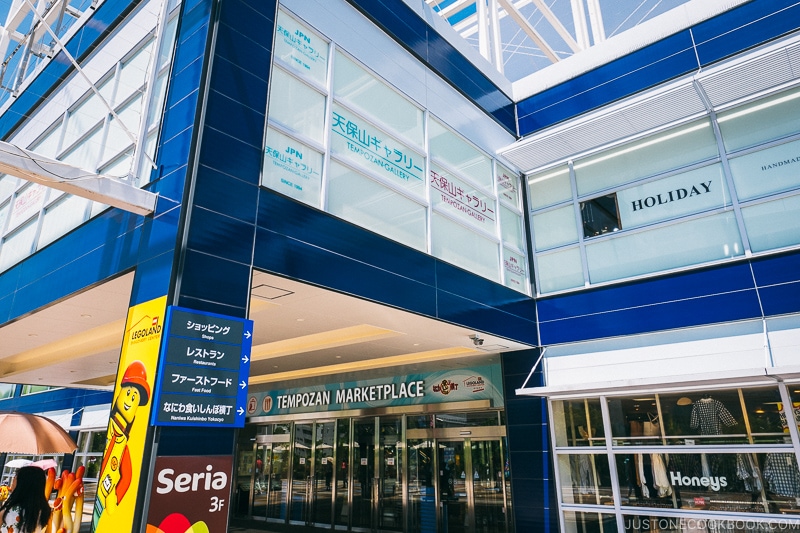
(115, 471)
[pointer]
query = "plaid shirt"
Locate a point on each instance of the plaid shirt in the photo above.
(709, 415)
(780, 471)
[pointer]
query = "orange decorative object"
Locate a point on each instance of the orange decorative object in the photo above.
(68, 504)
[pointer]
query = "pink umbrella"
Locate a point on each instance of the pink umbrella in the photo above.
(45, 464)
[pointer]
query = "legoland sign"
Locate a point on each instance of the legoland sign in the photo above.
(479, 383)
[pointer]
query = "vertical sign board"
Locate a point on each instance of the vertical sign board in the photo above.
(203, 370)
(120, 471)
(190, 494)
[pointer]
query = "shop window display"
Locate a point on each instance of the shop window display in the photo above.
(578, 423)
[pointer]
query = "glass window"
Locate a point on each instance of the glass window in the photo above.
(367, 147)
(760, 121)
(459, 154)
(462, 247)
(578, 422)
(559, 270)
(48, 144)
(18, 246)
(367, 203)
(8, 184)
(774, 224)
(7, 390)
(301, 49)
(511, 228)
(368, 94)
(4, 209)
(296, 106)
(61, 218)
(549, 188)
(33, 389)
(672, 149)
(471, 419)
(692, 192)
(515, 267)
(700, 240)
(554, 228)
(578, 522)
(585, 479)
(120, 131)
(462, 201)
(508, 186)
(723, 482)
(86, 153)
(600, 215)
(27, 204)
(292, 168)
(794, 393)
(133, 74)
(635, 421)
(767, 171)
(83, 118)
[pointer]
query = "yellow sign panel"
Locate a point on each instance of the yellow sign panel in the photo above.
(120, 472)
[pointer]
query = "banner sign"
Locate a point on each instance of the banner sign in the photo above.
(190, 494)
(479, 383)
(120, 471)
(203, 371)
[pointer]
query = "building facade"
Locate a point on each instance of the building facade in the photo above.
(568, 303)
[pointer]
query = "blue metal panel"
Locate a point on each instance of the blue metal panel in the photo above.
(318, 229)
(180, 115)
(173, 154)
(248, 19)
(780, 299)
(238, 82)
(159, 235)
(710, 309)
(226, 194)
(152, 278)
(220, 235)
(465, 284)
(399, 21)
(298, 260)
(232, 118)
(229, 284)
(453, 308)
(783, 268)
(190, 49)
(695, 284)
(251, 56)
(748, 25)
(231, 156)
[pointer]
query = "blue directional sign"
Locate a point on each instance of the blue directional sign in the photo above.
(203, 370)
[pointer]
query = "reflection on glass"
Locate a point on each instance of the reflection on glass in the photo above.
(390, 493)
(454, 420)
(578, 423)
(342, 472)
(585, 478)
(301, 473)
(725, 482)
(363, 472)
(590, 522)
(794, 393)
(421, 499)
(277, 472)
(487, 486)
(322, 488)
(453, 487)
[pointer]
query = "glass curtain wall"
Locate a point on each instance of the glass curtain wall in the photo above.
(702, 460)
(341, 139)
(730, 181)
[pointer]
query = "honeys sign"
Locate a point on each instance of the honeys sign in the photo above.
(478, 383)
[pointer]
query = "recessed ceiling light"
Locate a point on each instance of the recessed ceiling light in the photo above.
(33, 334)
(338, 357)
(275, 366)
(86, 316)
(301, 319)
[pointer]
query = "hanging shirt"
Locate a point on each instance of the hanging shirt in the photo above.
(781, 473)
(709, 415)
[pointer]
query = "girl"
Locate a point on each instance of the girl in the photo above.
(27, 509)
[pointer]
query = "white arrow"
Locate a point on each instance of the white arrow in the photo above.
(243, 384)
(247, 334)
(245, 359)
(240, 411)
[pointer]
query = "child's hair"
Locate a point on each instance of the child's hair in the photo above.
(29, 499)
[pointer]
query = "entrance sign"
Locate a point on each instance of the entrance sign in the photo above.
(203, 371)
(478, 383)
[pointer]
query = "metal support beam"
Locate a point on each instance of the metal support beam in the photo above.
(31, 166)
(529, 30)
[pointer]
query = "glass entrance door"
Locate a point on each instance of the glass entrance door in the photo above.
(302, 481)
(322, 487)
(470, 487)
